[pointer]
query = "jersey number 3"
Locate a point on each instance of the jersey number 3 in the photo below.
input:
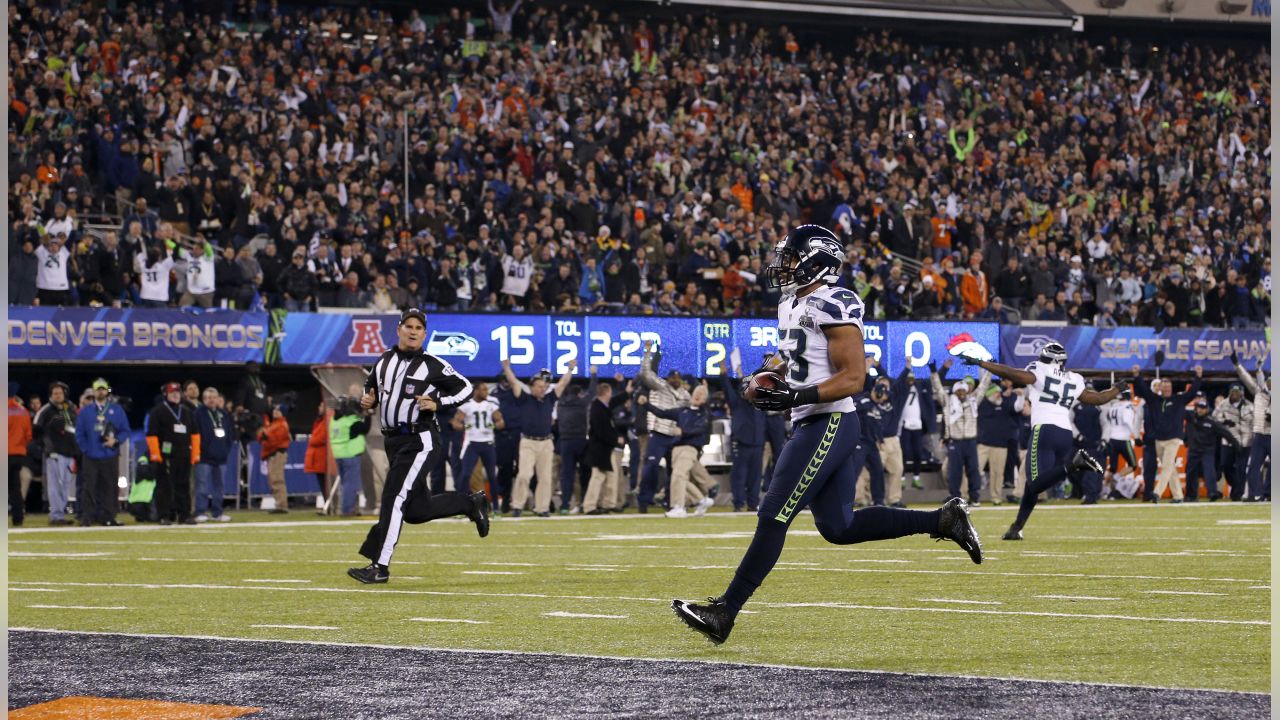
(797, 366)
(1052, 396)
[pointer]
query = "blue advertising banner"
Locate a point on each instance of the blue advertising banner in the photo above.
(38, 334)
(1119, 349)
(476, 343)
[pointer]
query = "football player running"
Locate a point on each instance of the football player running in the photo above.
(1055, 390)
(820, 336)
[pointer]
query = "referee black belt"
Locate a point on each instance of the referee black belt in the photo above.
(536, 437)
(409, 429)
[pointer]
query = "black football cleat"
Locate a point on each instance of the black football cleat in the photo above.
(480, 513)
(373, 574)
(712, 619)
(1083, 462)
(954, 524)
(1013, 533)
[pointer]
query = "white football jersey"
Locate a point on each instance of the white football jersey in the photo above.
(1056, 392)
(803, 345)
(477, 416)
(155, 279)
(1119, 420)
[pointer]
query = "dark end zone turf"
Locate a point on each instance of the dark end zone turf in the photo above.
(304, 680)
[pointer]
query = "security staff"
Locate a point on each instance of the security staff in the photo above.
(1088, 435)
(605, 439)
(216, 430)
(961, 414)
(689, 479)
(571, 424)
(1203, 436)
(507, 441)
(1165, 428)
(99, 428)
(867, 454)
(746, 448)
(171, 433)
(1236, 414)
(346, 439)
(537, 409)
(663, 433)
(409, 386)
(1260, 451)
(998, 414)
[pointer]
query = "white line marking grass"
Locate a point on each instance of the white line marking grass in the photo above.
(840, 606)
(43, 590)
(1259, 587)
(1182, 592)
(298, 627)
(961, 602)
(80, 607)
(19, 554)
(543, 654)
(560, 614)
(1075, 597)
(1244, 522)
(490, 572)
(270, 580)
(449, 620)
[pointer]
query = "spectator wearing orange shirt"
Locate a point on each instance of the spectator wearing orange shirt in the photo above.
(19, 438)
(275, 449)
(973, 286)
(317, 458)
(942, 226)
(735, 285)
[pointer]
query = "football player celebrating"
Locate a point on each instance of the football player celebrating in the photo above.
(1055, 390)
(820, 339)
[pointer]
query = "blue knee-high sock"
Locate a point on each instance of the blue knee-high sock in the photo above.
(760, 558)
(885, 523)
(1033, 490)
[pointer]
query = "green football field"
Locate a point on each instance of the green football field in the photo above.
(1167, 596)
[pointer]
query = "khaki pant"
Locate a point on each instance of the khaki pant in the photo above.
(535, 456)
(689, 479)
(602, 491)
(1167, 452)
(275, 478)
(204, 301)
(992, 457)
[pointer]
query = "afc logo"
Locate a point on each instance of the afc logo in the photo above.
(366, 339)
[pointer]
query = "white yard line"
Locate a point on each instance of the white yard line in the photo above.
(298, 627)
(650, 660)
(449, 620)
(18, 554)
(269, 580)
(560, 614)
(961, 602)
(843, 606)
(1075, 597)
(80, 607)
(1182, 592)
(1244, 522)
(43, 590)
(490, 572)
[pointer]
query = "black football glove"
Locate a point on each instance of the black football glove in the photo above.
(969, 360)
(784, 397)
(1235, 359)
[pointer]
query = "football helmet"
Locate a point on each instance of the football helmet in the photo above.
(806, 255)
(1053, 354)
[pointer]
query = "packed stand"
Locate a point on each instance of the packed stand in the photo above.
(575, 160)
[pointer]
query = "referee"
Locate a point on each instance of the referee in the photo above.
(409, 386)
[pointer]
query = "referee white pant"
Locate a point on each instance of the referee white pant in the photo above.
(412, 458)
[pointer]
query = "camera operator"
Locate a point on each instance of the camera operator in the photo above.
(99, 428)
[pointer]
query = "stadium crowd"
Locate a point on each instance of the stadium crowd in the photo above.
(575, 160)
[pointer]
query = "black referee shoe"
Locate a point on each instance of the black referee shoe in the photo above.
(480, 513)
(714, 619)
(954, 524)
(372, 575)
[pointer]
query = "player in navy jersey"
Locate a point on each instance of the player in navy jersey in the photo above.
(1054, 391)
(820, 338)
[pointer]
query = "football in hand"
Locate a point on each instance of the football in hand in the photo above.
(764, 379)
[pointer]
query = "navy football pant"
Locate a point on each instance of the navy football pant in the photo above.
(657, 449)
(744, 474)
(913, 454)
(1117, 449)
(451, 446)
(815, 470)
(963, 455)
(1047, 460)
(1150, 460)
(1233, 462)
(868, 456)
(1202, 461)
(475, 452)
(1259, 453)
(507, 447)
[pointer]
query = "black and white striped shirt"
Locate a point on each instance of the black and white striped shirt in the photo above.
(400, 377)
